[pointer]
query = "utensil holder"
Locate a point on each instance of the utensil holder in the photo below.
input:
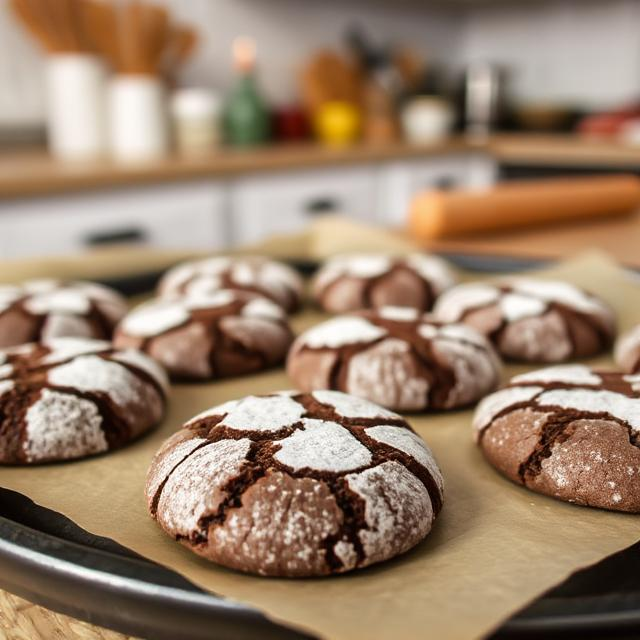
(75, 92)
(138, 124)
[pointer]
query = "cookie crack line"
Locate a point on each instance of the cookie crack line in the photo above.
(153, 505)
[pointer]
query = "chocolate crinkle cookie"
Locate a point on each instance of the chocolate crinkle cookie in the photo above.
(397, 357)
(295, 484)
(274, 280)
(369, 281)
(570, 432)
(71, 397)
(220, 334)
(45, 309)
(533, 320)
(627, 352)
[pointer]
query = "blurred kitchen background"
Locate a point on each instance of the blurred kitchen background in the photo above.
(207, 124)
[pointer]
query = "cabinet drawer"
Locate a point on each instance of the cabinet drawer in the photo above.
(185, 216)
(264, 205)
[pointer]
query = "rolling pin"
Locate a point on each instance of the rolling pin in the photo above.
(440, 214)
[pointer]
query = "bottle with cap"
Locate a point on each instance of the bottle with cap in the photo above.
(246, 117)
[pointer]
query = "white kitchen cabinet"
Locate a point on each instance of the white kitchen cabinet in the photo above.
(400, 181)
(188, 215)
(264, 205)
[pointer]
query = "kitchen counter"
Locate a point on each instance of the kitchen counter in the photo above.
(28, 174)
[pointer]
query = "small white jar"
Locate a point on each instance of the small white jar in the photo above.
(426, 119)
(138, 123)
(195, 115)
(75, 97)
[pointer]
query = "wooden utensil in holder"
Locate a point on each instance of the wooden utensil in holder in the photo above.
(75, 77)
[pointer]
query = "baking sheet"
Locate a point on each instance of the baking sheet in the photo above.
(494, 547)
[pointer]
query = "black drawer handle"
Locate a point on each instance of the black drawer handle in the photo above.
(131, 235)
(445, 183)
(322, 206)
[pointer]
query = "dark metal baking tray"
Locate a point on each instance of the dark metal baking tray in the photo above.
(49, 560)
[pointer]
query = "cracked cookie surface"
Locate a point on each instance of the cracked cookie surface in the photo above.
(70, 397)
(255, 274)
(532, 320)
(45, 309)
(214, 335)
(396, 357)
(295, 484)
(570, 432)
(370, 281)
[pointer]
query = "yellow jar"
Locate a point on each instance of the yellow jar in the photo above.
(337, 123)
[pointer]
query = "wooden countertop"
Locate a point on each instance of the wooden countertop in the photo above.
(26, 174)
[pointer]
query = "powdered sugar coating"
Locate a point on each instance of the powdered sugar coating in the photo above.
(155, 317)
(273, 279)
(41, 297)
(173, 455)
(322, 446)
(188, 496)
(60, 301)
(594, 401)
(453, 304)
(557, 291)
(385, 374)
(355, 266)
(497, 402)
(397, 509)
(179, 276)
(143, 362)
(571, 374)
(432, 269)
(627, 350)
(461, 332)
(95, 374)
(349, 406)
(262, 413)
(218, 410)
(341, 331)
(5, 386)
(59, 426)
(211, 300)
(633, 380)
(410, 443)
(515, 306)
(66, 348)
(399, 314)
(8, 295)
(346, 552)
(262, 308)
(369, 266)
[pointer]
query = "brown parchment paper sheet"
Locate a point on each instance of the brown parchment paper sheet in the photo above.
(494, 547)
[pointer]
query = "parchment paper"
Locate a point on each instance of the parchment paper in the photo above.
(494, 547)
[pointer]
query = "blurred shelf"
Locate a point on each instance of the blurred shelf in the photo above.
(31, 174)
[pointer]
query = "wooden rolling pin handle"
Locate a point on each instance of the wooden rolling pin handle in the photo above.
(439, 214)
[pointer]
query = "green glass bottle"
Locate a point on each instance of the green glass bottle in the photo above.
(246, 119)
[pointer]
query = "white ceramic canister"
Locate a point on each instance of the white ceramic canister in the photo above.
(195, 116)
(138, 123)
(75, 96)
(426, 119)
